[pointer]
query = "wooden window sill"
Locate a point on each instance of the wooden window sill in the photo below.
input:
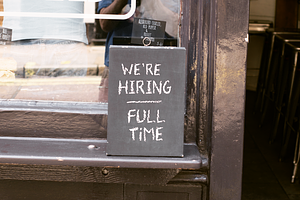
(76, 152)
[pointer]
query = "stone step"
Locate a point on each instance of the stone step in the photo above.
(30, 71)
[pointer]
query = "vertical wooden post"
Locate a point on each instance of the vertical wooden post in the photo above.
(214, 33)
(286, 14)
(229, 68)
(1, 10)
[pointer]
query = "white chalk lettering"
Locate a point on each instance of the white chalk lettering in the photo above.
(158, 134)
(132, 132)
(129, 115)
(136, 69)
(156, 87)
(138, 120)
(140, 135)
(148, 87)
(157, 118)
(125, 87)
(144, 102)
(131, 87)
(143, 132)
(140, 86)
(125, 69)
(148, 118)
(149, 69)
(156, 70)
(146, 124)
(169, 88)
(149, 131)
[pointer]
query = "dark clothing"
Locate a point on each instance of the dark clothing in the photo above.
(124, 28)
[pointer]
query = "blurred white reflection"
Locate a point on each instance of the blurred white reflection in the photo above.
(45, 28)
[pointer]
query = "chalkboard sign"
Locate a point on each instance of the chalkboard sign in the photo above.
(148, 32)
(5, 35)
(146, 101)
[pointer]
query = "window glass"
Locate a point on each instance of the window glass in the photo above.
(57, 50)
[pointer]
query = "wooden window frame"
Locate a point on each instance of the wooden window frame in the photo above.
(215, 36)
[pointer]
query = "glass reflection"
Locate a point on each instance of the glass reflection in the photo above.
(63, 59)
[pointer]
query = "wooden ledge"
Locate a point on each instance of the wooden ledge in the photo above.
(76, 152)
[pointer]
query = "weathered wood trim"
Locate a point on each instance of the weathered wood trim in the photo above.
(52, 125)
(1, 10)
(214, 34)
(191, 177)
(230, 19)
(78, 152)
(286, 14)
(192, 40)
(182, 192)
(53, 106)
(86, 174)
(49, 190)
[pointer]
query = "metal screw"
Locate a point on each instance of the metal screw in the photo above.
(91, 146)
(104, 171)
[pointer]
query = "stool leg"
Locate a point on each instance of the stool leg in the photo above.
(296, 157)
(276, 64)
(279, 99)
(291, 109)
(280, 77)
(276, 124)
(262, 73)
(260, 104)
(286, 140)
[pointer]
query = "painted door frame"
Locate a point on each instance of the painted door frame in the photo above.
(214, 33)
